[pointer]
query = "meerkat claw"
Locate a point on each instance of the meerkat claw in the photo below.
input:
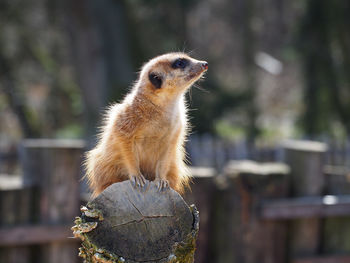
(162, 185)
(138, 181)
(132, 181)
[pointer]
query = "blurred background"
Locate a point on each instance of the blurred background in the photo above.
(278, 70)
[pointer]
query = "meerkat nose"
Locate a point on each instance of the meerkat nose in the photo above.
(205, 65)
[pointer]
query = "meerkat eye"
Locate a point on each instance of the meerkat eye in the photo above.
(155, 80)
(180, 63)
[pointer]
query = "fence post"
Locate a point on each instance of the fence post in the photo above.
(15, 208)
(245, 237)
(305, 159)
(337, 229)
(202, 192)
(54, 166)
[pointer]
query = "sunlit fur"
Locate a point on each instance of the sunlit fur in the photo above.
(145, 134)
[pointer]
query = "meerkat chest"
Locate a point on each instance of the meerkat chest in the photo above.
(157, 132)
(153, 147)
(156, 137)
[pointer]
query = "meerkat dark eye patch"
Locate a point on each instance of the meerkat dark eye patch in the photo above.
(156, 80)
(180, 63)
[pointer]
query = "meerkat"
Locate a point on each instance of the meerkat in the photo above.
(143, 136)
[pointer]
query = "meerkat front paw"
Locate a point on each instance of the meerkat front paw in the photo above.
(138, 181)
(162, 184)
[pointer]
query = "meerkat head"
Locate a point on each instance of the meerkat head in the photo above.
(171, 74)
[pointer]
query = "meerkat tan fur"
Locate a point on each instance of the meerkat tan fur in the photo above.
(143, 136)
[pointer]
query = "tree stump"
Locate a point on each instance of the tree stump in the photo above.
(124, 224)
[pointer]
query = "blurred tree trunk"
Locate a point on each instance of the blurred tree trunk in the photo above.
(89, 61)
(324, 42)
(9, 65)
(8, 87)
(338, 79)
(101, 55)
(314, 51)
(248, 61)
(248, 47)
(112, 25)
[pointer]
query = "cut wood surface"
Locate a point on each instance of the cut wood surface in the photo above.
(137, 225)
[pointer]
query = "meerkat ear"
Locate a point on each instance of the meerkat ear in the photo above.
(155, 79)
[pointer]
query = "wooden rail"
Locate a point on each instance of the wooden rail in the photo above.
(324, 259)
(40, 234)
(306, 207)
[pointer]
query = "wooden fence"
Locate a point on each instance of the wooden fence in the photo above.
(38, 208)
(297, 211)
(210, 151)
